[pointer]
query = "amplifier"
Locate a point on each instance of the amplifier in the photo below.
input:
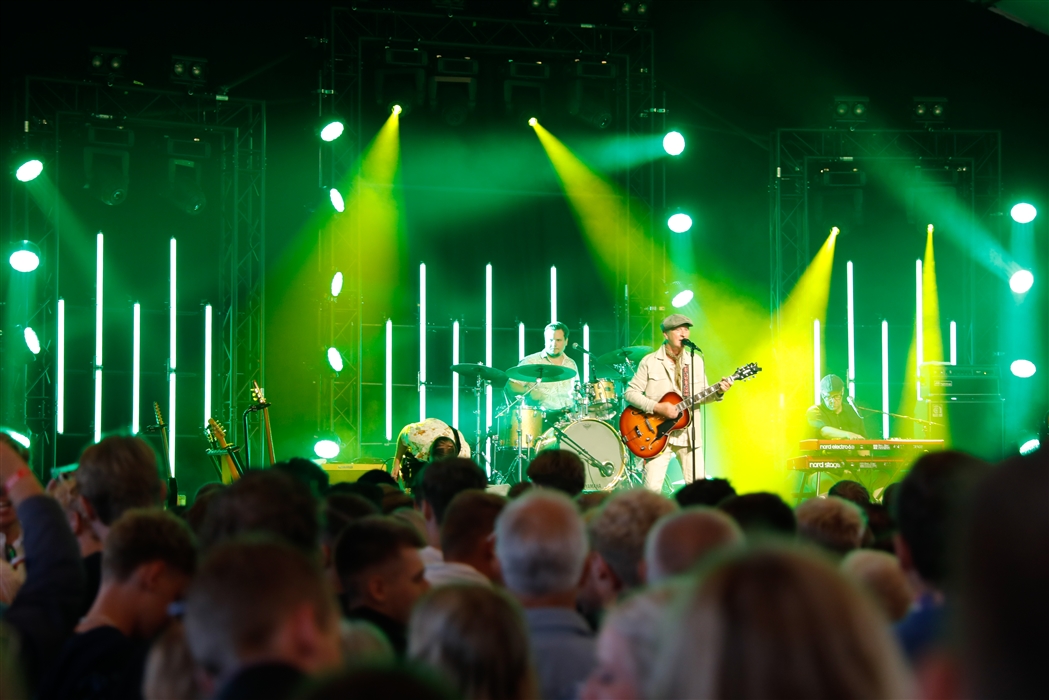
(343, 471)
(971, 424)
(959, 380)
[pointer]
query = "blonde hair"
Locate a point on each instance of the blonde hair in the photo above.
(880, 574)
(171, 673)
(833, 523)
(476, 637)
(793, 622)
(618, 530)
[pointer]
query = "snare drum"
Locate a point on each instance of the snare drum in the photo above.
(525, 425)
(603, 399)
(597, 444)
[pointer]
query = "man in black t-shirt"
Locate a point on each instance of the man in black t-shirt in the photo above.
(832, 419)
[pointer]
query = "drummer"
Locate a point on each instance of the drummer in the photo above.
(555, 398)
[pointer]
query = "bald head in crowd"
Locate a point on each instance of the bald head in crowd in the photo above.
(679, 541)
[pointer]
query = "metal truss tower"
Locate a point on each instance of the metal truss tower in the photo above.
(356, 30)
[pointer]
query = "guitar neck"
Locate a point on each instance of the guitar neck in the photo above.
(701, 395)
(269, 435)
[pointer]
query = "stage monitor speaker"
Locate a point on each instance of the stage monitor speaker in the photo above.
(974, 424)
(340, 471)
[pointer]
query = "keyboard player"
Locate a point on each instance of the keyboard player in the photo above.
(833, 418)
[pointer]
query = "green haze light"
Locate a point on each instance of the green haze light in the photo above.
(682, 298)
(532, 121)
(336, 200)
(335, 359)
(31, 340)
(29, 170)
(1021, 281)
(332, 130)
(1030, 446)
(26, 257)
(336, 284)
(1023, 368)
(1022, 213)
(679, 223)
(674, 143)
(326, 449)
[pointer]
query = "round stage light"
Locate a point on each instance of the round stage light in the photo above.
(679, 223)
(326, 448)
(674, 143)
(31, 340)
(1023, 368)
(335, 359)
(336, 199)
(336, 284)
(682, 298)
(26, 257)
(1022, 213)
(532, 121)
(332, 130)
(1021, 281)
(30, 170)
(396, 109)
(1030, 446)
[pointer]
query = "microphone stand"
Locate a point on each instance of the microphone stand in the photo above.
(920, 421)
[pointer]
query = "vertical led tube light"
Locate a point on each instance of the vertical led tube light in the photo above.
(520, 341)
(171, 421)
(208, 317)
(455, 375)
(422, 341)
(885, 380)
(852, 330)
(586, 360)
(60, 370)
(954, 343)
(136, 368)
(172, 351)
(816, 356)
(98, 335)
(488, 362)
(553, 295)
(389, 379)
(919, 324)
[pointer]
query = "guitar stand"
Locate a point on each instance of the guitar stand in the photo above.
(230, 450)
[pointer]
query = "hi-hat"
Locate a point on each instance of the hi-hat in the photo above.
(634, 353)
(546, 373)
(489, 374)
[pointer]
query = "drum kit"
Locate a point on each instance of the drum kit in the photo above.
(522, 429)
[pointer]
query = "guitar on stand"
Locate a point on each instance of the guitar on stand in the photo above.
(162, 428)
(262, 405)
(646, 434)
(229, 469)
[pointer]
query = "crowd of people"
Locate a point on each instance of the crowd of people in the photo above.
(283, 586)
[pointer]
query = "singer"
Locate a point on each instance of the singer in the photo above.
(676, 366)
(831, 418)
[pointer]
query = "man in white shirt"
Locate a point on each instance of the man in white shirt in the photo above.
(670, 368)
(550, 396)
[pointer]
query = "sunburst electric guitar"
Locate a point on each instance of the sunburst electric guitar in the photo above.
(646, 434)
(230, 470)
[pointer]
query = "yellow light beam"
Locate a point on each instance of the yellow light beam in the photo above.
(927, 342)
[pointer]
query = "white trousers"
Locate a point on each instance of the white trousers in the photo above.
(656, 469)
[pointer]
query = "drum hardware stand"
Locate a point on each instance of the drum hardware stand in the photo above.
(606, 468)
(520, 460)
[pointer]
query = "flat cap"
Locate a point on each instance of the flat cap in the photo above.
(675, 321)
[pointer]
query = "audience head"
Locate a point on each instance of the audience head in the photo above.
(558, 469)
(270, 502)
(476, 638)
(197, 513)
(619, 528)
(363, 643)
(412, 518)
(704, 492)
(442, 448)
(761, 514)
(118, 474)
(879, 573)
(796, 625)
(541, 544)
(369, 490)
(589, 502)
(394, 680)
(341, 509)
(880, 528)
(378, 563)
(394, 499)
(888, 495)
(67, 492)
(928, 506)
(170, 671)
(679, 541)
(378, 477)
(151, 556)
(442, 480)
(519, 489)
(852, 491)
(239, 613)
(308, 472)
(466, 533)
(833, 523)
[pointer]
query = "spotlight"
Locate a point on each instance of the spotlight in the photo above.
(1030, 446)
(1022, 213)
(532, 121)
(546, 8)
(25, 257)
(1022, 368)
(592, 96)
(680, 295)
(188, 70)
(327, 445)
(834, 231)
(33, 342)
(632, 11)
(674, 143)
(679, 222)
(929, 110)
(184, 188)
(396, 109)
(106, 171)
(29, 169)
(108, 63)
(337, 200)
(331, 128)
(851, 110)
(336, 284)
(1021, 281)
(335, 359)
(524, 90)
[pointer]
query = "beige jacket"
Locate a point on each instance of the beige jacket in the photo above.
(655, 377)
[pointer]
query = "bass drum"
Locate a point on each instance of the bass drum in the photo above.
(597, 444)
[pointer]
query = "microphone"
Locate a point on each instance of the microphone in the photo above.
(689, 344)
(852, 403)
(580, 348)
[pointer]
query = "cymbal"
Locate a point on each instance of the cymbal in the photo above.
(634, 353)
(489, 374)
(547, 373)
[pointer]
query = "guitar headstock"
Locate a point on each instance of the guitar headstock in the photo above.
(746, 372)
(156, 412)
(256, 393)
(217, 432)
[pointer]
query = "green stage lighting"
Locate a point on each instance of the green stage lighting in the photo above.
(335, 359)
(396, 109)
(25, 257)
(327, 448)
(682, 298)
(332, 130)
(674, 143)
(532, 121)
(21, 438)
(336, 284)
(336, 200)
(31, 340)
(1023, 368)
(1022, 213)
(29, 170)
(1021, 281)
(1030, 446)
(680, 222)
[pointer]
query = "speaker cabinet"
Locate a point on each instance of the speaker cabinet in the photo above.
(973, 424)
(339, 471)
